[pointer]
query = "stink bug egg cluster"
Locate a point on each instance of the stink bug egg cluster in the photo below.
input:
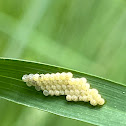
(75, 89)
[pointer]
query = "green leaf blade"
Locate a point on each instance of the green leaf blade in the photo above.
(14, 89)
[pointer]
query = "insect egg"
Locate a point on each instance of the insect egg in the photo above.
(57, 77)
(61, 92)
(29, 84)
(81, 98)
(101, 101)
(35, 77)
(67, 91)
(48, 87)
(38, 88)
(51, 92)
(56, 92)
(52, 77)
(97, 97)
(71, 92)
(93, 102)
(71, 81)
(83, 80)
(53, 87)
(69, 87)
(77, 92)
(87, 86)
(45, 92)
(69, 75)
(30, 76)
(68, 98)
(74, 98)
(60, 82)
(89, 98)
(85, 98)
(64, 86)
(58, 87)
(46, 77)
(25, 78)
(63, 76)
(93, 91)
(82, 92)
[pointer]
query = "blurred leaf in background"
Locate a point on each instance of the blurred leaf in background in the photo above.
(88, 36)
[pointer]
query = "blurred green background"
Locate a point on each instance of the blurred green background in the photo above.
(85, 35)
